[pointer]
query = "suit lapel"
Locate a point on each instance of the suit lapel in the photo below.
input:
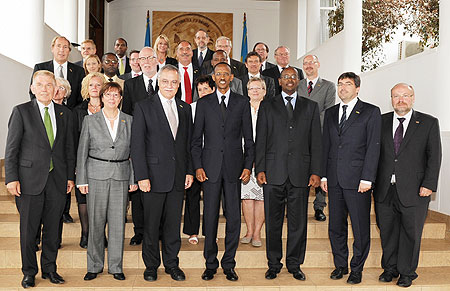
(59, 116)
(70, 75)
(387, 133)
(316, 88)
(121, 126)
(335, 116)
(38, 120)
(102, 122)
(412, 127)
(214, 103)
(353, 115)
(181, 116)
(161, 114)
(281, 107)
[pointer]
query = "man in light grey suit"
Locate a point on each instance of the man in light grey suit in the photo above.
(324, 93)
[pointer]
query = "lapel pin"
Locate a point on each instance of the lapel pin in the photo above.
(181, 105)
(70, 70)
(417, 121)
(123, 120)
(357, 112)
(61, 113)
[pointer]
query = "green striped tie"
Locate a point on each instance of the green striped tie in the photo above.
(49, 130)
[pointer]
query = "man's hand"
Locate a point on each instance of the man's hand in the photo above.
(424, 192)
(363, 187)
(14, 188)
(201, 175)
(245, 176)
(84, 189)
(70, 185)
(261, 178)
(132, 188)
(188, 182)
(314, 181)
(324, 186)
(144, 185)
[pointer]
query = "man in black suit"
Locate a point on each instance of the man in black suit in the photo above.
(120, 48)
(88, 48)
(39, 171)
(135, 90)
(189, 72)
(134, 64)
(288, 157)
(62, 68)
(263, 51)
(351, 147)
(253, 64)
(282, 56)
(160, 150)
(222, 119)
(202, 53)
(408, 172)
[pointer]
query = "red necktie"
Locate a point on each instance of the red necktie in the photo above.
(187, 86)
(310, 87)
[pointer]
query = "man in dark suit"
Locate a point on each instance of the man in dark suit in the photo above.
(135, 90)
(120, 48)
(324, 93)
(189, 72)
(134, 64)
(263, 51)
(351, 147)
(222, 119)
(202, 53)
(39, 171)
(253, 64)
(408, 172)
(288, 151)
(88, 48)
(63, 69)
(160, 150)
(282, 56)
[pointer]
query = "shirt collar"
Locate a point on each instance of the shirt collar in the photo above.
(164, 99)
(350, 105)
(254, 76)
(56, 65)
(407, 117)
(286, 95)
(41, 106)
(181, 67)
(280, 68)
(227, 96)
(314, 81)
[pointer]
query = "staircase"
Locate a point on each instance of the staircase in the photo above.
(434, 263)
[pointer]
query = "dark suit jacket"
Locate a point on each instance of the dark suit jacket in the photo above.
(417, 163)
(75, 75)
(79, 63)
(270, 86)
(154, 152)
(169, 61)
(268, 66)
(28, 151)
(134, 91)
(196, 74)
(275, 74)
(216, 142)
(282, 152)
(238, 69)
(351, 155)
(207, 57)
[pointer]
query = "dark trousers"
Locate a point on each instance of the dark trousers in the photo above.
(343, 202)
(48, 206)
(320, 201)
(137, 212)
(68, 202)
(401, 232)
(162, 209)
(192, 209)
(232, 201)
(275, 198)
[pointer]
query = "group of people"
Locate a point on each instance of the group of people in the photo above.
(155, 130)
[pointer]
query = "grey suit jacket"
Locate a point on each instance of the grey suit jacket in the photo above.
(96, 141)
(324, 93)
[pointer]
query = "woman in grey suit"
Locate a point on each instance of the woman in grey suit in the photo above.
(104, 172)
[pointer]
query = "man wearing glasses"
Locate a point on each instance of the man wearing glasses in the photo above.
(110, 65)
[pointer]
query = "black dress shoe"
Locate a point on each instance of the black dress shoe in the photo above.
(230, 274)
(54, 277)
(271, 273)
(176, 273)
(84, 241)
(338, 273)
(27, 281)
(208, 274)
(404, 281)
(150, 274)
(354, 278)
(136, 240)
(298, 274)
(319, 215)
(90, 276)
(387, 276)
(67, 218)
(119, 276)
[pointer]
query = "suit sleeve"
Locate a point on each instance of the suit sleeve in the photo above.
(369, 170)
(270, 87)
(316, 142)
(247, 132)
(197, 136)
(138, 132)
(434, 157)
(190, 168)
(330, 98)
(126, 103)
(83, 153)
(13, 144)
(261, 136)
(70, 147)
(239, 87)
(325, 144)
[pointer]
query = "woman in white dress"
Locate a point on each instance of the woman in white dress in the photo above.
(251, 193)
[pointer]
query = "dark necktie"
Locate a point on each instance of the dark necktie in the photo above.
(289, 107)
(310, 87)
(223, 107)
(150, 90)
(200, 59)
(343, 117)
(398, 136)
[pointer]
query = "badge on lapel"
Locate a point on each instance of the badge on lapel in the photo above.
(417, 121)
(195, 72)
(123, 120)
(181, 105)
(70, 70)
(61, 113)
(357, 112)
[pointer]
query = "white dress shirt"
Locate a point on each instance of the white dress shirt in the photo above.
(314, 82)
(190, 71)
(56, 69)
(165, 106)
(227, 96)
(112, 129)
(280, 68)
(51, 111)
(250, 76)
(293, 101)
(348, 111)
(263, 65)
(146, 80)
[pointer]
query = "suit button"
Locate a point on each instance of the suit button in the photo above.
(290, 140)
(290, 154)
(340, 147)
(221, 151)
(112, 147)
(291, 127)
(395, 160)
(173, 158)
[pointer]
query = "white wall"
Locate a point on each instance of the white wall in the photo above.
(127, 19)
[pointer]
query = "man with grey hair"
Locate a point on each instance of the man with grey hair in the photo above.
(282, 56)
(161, 154)
(189, 72)
(408, 172)
(202, 53)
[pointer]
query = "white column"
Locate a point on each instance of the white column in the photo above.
(312, 24)
(353, 36)
(71, 20)
(36, 34)
(443, 65)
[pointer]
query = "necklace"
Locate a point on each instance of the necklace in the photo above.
(95, 107)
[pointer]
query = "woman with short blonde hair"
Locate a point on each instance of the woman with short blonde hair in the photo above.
(162, 48)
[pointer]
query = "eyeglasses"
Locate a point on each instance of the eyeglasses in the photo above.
(225, 74)
(282, 55)
(309, 63)
(149, 58)
(110, 62)
(404, 96)
(111, 95)
(346, 84)
(287, 77)
(254, 88)
(61, 88)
